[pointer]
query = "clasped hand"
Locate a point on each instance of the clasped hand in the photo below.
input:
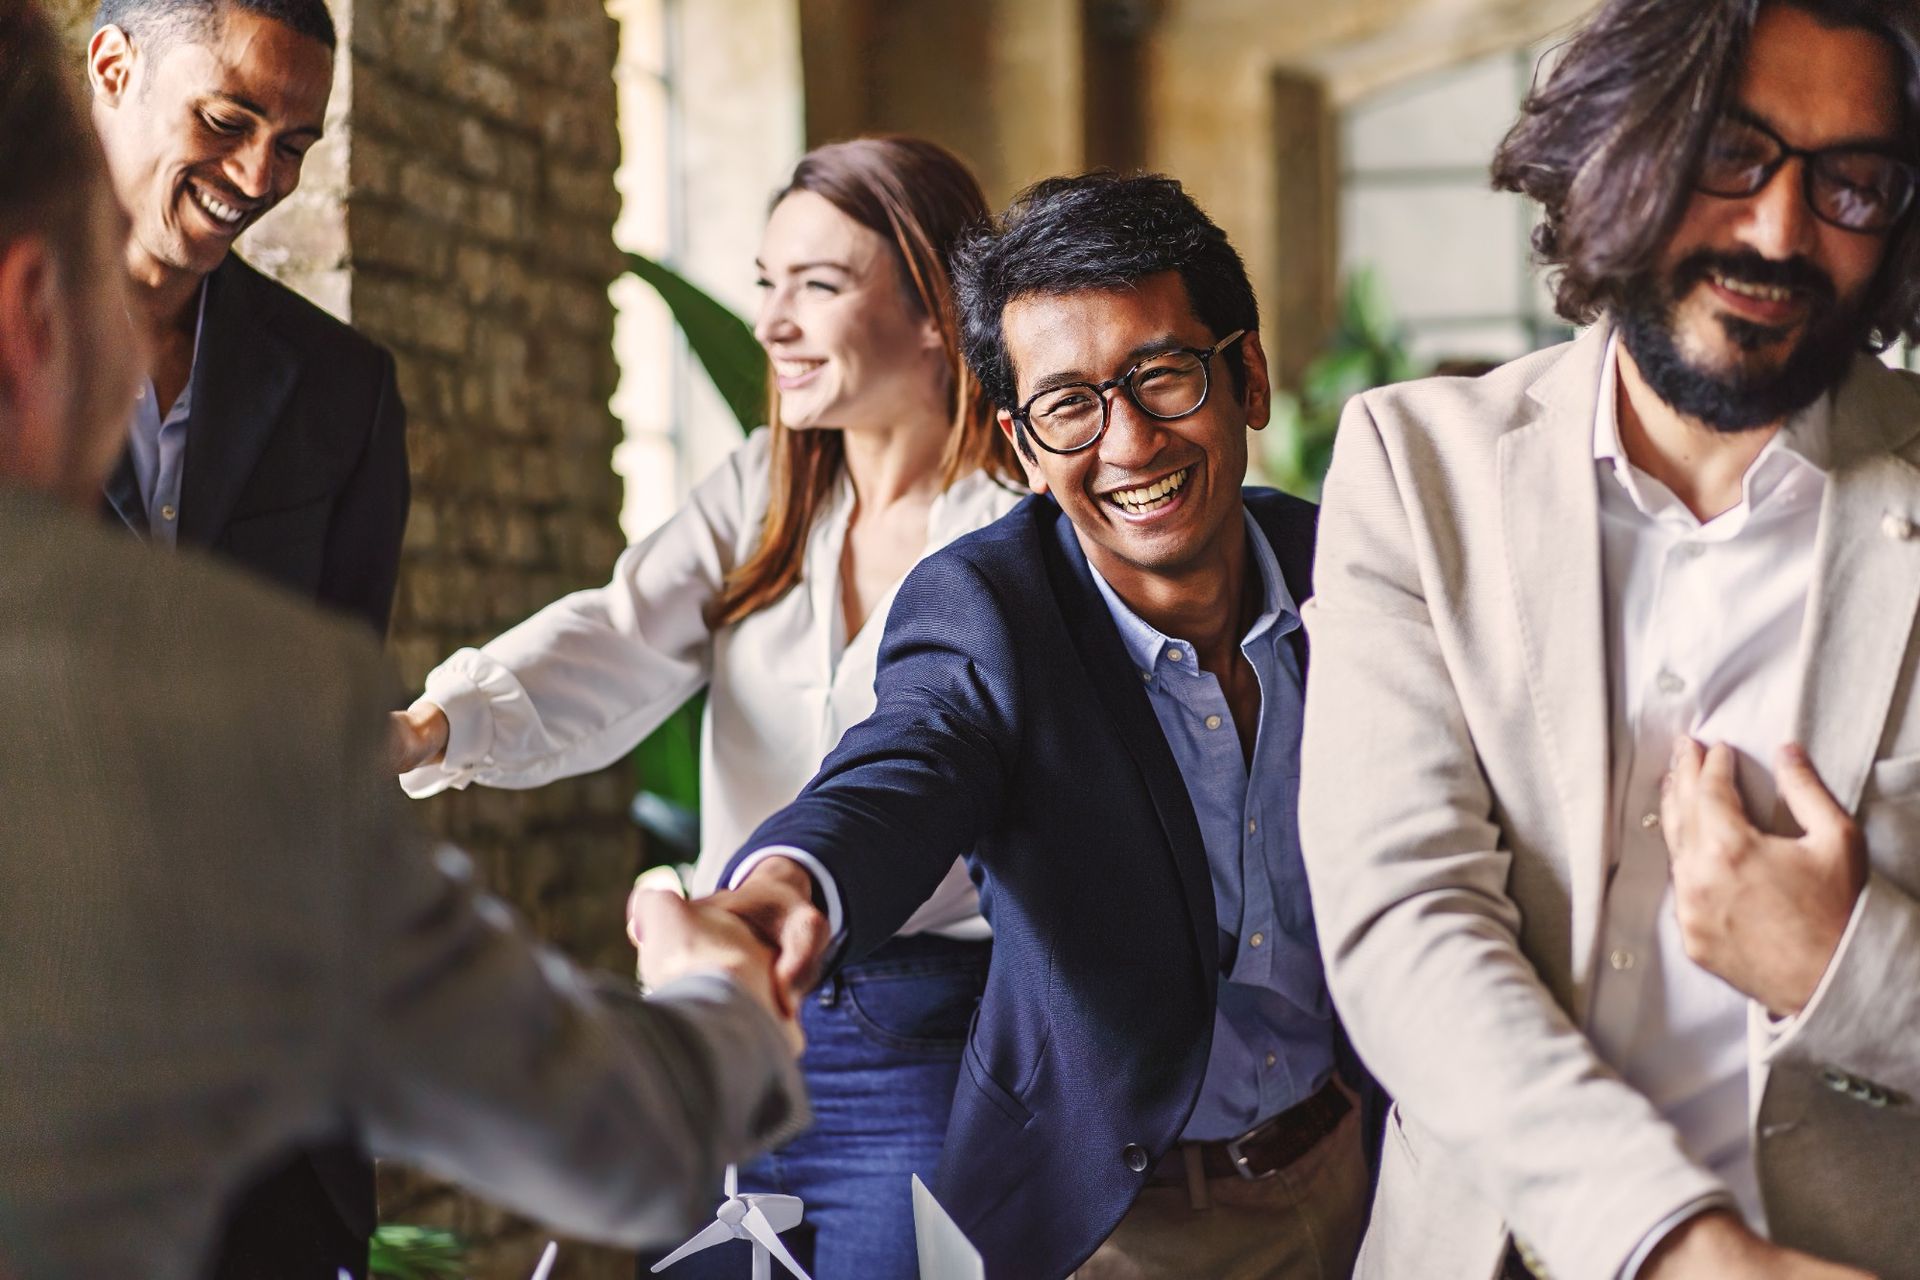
(766, 935)
(1764, 913)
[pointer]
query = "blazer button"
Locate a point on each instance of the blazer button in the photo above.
(1835, 1079)
(1136, 1157)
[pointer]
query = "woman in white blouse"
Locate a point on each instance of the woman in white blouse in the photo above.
(771, 589)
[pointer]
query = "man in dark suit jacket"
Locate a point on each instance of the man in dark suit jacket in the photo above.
(1097, 700)
(268, 431)
(271, 432)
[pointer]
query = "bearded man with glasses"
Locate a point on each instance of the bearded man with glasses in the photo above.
(1623, 900)
(1097, 701)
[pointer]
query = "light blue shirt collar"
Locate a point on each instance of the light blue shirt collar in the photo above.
(1147, 648)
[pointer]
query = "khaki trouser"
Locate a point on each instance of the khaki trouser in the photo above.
(1303, 1223)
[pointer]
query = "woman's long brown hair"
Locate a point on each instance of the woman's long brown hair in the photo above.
(918, 197)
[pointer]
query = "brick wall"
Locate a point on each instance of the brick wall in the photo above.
(479, 219)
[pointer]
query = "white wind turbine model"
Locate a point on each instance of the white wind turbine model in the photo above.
(759, 1218)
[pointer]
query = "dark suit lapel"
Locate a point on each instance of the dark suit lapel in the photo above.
(242, 376)
(123, 495)
(1118, 685)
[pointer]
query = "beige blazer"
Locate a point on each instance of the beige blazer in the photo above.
(1453, 815)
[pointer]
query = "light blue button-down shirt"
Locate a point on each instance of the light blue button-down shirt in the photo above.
(1273, 1021)
(159, 446)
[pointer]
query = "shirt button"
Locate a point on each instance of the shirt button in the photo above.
(1272, 1058)
(1256, 939)
(1253, 825)
(1649, 820)
(1147, 676)
(1671, 684)
(167, 512)
(1621, 959)
(1173, 654)
(1136, 1157)
(1213, 722)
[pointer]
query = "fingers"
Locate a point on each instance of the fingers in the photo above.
(803, 947)
(1807, 798)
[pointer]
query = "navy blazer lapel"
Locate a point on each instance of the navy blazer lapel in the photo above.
(242, 376)
(1118, 685)
(123, 494)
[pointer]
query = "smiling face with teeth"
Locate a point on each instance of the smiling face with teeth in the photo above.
(1155, 503)
(206, 135)
(850, 346)
(1756, 307)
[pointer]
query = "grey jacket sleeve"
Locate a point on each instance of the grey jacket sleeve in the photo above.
(483, 1059)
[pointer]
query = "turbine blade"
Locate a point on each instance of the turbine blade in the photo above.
(767, 1238)
(712, 1234)
(783, 1212)
(733, 1181)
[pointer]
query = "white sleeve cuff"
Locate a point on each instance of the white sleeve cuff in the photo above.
(1638, 1258)
(458, 687)
(821, 877)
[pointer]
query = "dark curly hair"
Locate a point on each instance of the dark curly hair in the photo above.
(1095, 231)
(1609, 144)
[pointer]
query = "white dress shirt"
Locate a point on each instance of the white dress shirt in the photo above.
(579, 684)
(1703, 629)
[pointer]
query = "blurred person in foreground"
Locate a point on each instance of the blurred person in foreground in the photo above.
(1613, 741)
(770, 590)
(1096, 700)
(218, 934)
(263, 428)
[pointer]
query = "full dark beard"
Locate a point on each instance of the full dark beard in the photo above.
(1739, 399)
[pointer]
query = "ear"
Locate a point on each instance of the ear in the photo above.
(1258, 400)
(31, 338)
(29, 308)
(1035, 480)
(110, 59)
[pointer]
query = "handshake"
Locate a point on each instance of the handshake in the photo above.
(767, 936)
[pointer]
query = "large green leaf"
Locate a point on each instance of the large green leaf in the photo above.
(722, 342)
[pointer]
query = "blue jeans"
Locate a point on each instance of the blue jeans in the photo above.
(883, 1055)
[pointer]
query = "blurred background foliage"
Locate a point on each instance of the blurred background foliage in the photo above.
(1367, 350)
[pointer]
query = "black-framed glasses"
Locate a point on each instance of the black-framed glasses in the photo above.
(1858, 188)
(1166, 386)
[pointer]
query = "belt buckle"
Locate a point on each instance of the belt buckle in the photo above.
(1241, 1161)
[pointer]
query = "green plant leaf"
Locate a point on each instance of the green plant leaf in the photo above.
(722, 342)
(402, 1252)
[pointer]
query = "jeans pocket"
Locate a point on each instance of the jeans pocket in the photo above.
(927, 1010)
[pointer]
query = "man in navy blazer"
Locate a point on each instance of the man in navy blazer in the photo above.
(268, 432)
(1097, 700)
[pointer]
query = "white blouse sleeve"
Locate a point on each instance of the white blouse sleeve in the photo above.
(579, 684)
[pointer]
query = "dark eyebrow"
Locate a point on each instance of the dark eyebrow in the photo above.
(255, 109)
(1871, 142)
(1144, 351)
(809, 266)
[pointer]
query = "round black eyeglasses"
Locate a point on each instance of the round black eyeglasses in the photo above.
(1856, 188)
(1169, 385)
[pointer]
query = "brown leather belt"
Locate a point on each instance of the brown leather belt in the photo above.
(1265, 1149)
